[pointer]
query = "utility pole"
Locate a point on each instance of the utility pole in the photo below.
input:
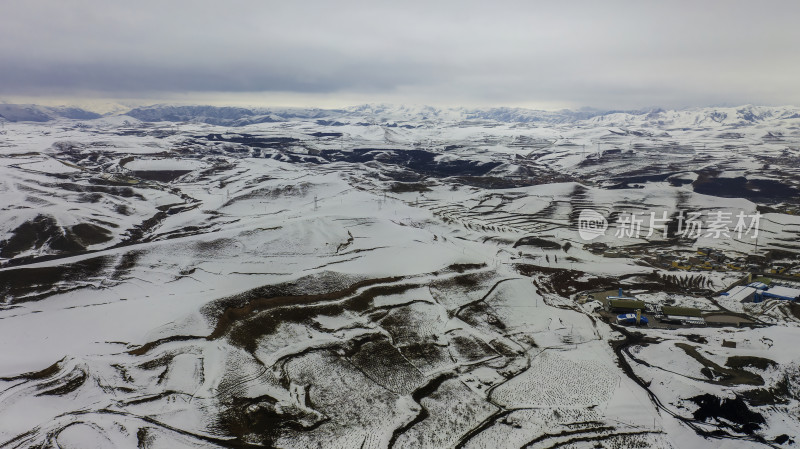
(315, 202)
(755, 252)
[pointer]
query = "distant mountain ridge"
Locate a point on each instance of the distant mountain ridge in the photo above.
(36, 113)
(388, 114)
(383, 114)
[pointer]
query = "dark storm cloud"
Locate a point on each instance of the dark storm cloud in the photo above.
(606, 54)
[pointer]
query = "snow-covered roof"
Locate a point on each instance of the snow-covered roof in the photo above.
(740, 292)
(783, 292)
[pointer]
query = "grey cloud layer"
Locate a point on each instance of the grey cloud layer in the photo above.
(611, 54)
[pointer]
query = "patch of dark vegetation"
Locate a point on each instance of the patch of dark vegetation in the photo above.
(143, 349)
(260, 421)
(565, 282)
(90, 234)
(536, 242)
(315, 284)
(122, 191)
(425, 355)
(469, 348)
(36, 233)
(783, 439)
(125, 264)
(463, 283)
(778, 393)
(741, 361)
(122, 209)
(758, 190)
(462, 267)
(241, 316)
(732, 413)
(160, 175)
(404, 187)
(379, 360)
(261, 317)
(719, 374)
(321, 134)
(625, 185)
(144, 438)
(30, 284)
(602, 430)
(492, 182)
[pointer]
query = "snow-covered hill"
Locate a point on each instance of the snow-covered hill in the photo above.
(386, 276)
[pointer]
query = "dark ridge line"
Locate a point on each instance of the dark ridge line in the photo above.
(597, 438)
(36, 375)
(152, 397)
(145, 348)
(485, 424)
(361, 250)
(464, 306)
(332, 263)
(233, 314)
(401, 304)
(547, 436)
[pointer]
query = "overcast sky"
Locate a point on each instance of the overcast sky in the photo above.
(546, 54)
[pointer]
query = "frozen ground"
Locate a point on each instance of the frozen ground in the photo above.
(379, 279)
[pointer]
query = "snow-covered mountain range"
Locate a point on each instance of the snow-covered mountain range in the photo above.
(384, 113)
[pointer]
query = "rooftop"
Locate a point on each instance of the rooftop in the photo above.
(784, 292)
(740, 293)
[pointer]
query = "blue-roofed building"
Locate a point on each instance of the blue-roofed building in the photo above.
(779, 292)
